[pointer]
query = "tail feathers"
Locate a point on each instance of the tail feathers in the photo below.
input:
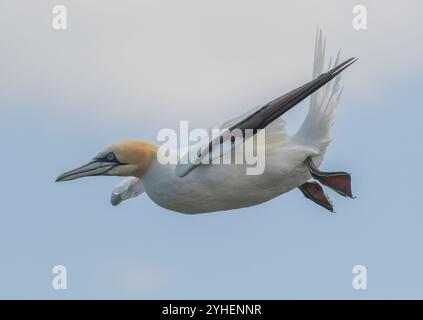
(315, 130)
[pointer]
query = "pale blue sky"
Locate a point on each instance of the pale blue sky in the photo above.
(128, 69)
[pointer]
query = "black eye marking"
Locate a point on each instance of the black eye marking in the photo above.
(109, 157)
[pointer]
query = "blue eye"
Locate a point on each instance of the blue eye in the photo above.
(111, 156)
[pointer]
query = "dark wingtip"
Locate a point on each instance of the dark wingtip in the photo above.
(344, 65)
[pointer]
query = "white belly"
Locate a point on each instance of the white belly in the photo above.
(223, 187)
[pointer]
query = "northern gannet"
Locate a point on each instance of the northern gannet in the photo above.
(291, 161)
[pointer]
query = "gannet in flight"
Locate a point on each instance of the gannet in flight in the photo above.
(291, 161)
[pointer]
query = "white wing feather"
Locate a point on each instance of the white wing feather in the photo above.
(315, 130)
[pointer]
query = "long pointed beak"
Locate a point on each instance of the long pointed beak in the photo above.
(93, 168)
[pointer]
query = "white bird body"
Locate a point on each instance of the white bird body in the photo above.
(217, 187)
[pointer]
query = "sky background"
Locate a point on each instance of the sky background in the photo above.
(126, 69)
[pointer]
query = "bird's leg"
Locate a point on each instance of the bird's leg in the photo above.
(337, 181)
(314, 192)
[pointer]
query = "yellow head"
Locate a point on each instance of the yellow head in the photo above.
(126, 158)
